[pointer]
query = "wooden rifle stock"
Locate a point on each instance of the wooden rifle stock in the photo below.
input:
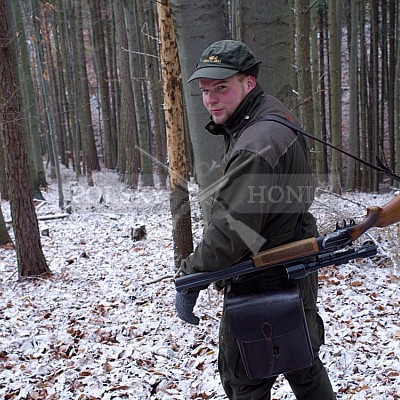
(379, 217)
(287, 252)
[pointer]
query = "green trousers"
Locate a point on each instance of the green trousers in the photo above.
(307, 384)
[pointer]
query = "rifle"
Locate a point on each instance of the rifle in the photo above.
(295, 257)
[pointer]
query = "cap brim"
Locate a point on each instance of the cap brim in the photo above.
(213, 73)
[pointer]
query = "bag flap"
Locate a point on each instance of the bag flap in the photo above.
(254, 316)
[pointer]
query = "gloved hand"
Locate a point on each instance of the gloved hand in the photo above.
(185, 303)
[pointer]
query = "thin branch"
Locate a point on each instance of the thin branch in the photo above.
(138, 52)
(341, 197)
(159, 279)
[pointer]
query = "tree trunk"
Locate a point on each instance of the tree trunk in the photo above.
(140, 94)
(179, 195)
(391, 82)
(374, 91)
(49, 43)
(128, 141)
(43, 84)
(195, 34)
(155, 89)
(397, 101)
(69, 52)
(31, 260)
(303, 65)
(59, 76)
(316, 90)
(336, 88)
(46, 93)
(364, 105)
(267, 27)
(322, 22)
(352, 172)
(3, 180)
(4, 235)
(56, 139)
(86, 123)
(111, 44)
(103, 79)
(37, 173)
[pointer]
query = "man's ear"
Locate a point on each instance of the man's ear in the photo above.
(251, 82)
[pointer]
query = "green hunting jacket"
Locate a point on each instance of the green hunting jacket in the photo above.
(267, 187)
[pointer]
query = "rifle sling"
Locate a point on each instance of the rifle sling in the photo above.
(284, 121)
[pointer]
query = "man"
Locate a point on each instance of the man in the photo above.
(262, 202)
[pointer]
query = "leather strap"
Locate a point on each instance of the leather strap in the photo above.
(267, 332)
(277, 118)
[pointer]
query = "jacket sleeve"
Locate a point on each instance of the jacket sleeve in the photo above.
(238, 215)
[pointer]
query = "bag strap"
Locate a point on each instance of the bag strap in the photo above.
(282, 120)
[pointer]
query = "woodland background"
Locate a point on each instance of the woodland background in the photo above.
(96, 84)
(99, 130)
(104, 324)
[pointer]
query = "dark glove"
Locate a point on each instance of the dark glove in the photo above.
(185, 303)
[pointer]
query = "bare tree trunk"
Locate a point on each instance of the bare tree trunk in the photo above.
(352, 172)
(374, 91)
(53, 84)
(397, 101)
(391, 83)
(60, 84)
(86, 124)
(322, 21)
(31, 260)
(70, 52)
(30, 109)
(179, 196)
(3, 180)
(46, 94)
(43, 84)
(155, 90)
(267, 27)
(316, 90)
(111, 44)
(208, 149)
(140, 92)
(4, 235)
(128, 141)
(336, 88)
(303, 64)
(364, 105)
(103, 79)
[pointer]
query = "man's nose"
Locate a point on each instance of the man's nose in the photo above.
(211, 98)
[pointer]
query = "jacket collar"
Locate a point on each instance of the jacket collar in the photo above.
(243, 114)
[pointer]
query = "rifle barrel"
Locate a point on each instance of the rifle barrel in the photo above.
(302, 270)
(294, 270)
(205, 278)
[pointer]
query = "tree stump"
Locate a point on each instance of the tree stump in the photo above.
(138, 232)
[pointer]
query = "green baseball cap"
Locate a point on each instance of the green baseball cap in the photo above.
(225, 58)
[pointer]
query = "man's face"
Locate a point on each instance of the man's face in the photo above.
(222, 97)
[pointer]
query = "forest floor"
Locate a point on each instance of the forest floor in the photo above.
(102, 326)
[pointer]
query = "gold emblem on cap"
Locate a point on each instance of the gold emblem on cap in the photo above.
(212, 59)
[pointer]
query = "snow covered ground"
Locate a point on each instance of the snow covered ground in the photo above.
(103, 326)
